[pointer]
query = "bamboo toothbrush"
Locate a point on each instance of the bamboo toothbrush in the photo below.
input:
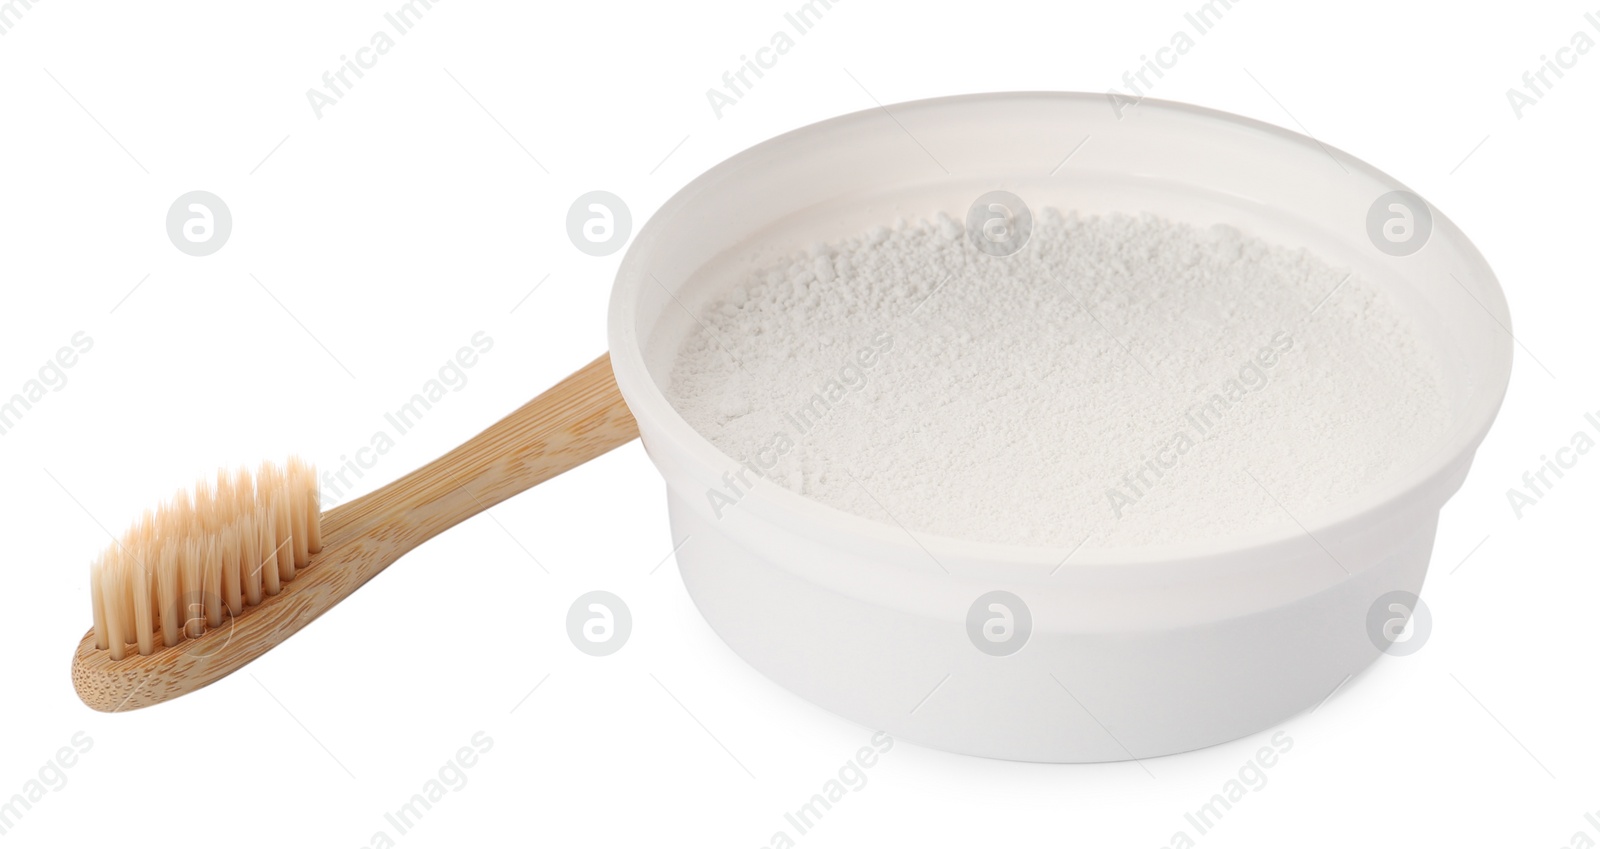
(210, 582)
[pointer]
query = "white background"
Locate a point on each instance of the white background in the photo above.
(370, 244)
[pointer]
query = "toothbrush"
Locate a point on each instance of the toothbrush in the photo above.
(197, 589)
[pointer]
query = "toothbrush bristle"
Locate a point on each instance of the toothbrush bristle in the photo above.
(207, 555)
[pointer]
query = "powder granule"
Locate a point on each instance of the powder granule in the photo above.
(1122, 380)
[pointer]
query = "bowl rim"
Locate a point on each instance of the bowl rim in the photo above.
(1442, 466)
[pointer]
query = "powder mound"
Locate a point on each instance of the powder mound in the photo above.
(1122, 380)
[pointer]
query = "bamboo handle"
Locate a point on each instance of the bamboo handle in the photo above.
(573, 422)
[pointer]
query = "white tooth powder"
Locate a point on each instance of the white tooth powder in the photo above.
(1122, 380)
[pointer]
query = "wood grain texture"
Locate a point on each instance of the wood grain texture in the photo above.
(577, 420)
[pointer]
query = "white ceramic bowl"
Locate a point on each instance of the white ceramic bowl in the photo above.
(1133, 652)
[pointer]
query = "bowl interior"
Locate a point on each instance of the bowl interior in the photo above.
(844, 176)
